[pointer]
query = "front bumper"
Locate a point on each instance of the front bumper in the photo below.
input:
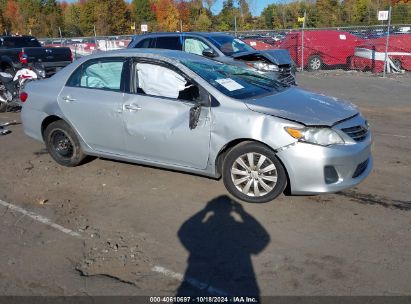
(308, 166)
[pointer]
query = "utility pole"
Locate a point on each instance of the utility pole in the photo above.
(235, 26)
(302, 42)
(386, 42)
(95, 34)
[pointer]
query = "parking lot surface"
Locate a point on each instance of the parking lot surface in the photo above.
(113, 228)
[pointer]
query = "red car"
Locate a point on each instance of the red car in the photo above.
(321, 48)
(258, 45)
(370, 55)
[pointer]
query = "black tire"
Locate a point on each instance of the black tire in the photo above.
(255, 176)
(315, 63)
(63, 145)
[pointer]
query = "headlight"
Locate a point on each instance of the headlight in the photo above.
(266, 67)
(318, 136)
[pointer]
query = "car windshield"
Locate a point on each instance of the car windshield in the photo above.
(233, 81)
(229, 45)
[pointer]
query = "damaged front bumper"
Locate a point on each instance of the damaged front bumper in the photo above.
(314, 169)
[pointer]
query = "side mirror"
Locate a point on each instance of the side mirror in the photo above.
(209, 53)
(195, 112)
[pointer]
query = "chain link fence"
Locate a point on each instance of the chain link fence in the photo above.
(363, 48)
(378, 49)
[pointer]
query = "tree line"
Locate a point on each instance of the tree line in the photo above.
(51, 18)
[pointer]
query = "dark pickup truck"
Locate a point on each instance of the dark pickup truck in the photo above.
(19, 51)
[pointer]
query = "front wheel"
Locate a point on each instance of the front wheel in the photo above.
(253, 173)
(63, 145)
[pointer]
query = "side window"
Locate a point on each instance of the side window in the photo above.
(172, 84)
(169, 43)
(194, 46)
(145, 43)
(102, 74)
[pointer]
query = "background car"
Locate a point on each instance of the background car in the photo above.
(322, 48)
(225, 48)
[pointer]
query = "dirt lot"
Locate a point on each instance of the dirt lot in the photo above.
(132, 230)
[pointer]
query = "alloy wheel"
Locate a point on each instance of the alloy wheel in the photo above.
(254, 174)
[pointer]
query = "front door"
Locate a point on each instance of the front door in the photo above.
(157, 119)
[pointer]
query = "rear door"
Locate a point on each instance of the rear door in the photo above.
(92, 100)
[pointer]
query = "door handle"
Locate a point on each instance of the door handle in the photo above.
(132, 107)
(68, 98)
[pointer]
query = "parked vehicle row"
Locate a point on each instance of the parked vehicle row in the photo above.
(342, 49)
(17, 52)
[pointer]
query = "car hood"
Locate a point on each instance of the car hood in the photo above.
(279, 57)
(304, 107)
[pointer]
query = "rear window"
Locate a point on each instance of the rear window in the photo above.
(19, 42)
(169, 43)
(103, 74)
(145, 43)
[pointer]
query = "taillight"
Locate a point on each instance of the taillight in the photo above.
(23, 58)
(23, 96)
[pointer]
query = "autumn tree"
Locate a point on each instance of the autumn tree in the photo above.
(13, 18)
(167, 15)
(183, 9)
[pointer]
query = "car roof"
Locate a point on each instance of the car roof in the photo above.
(160, 34)
(170, 55)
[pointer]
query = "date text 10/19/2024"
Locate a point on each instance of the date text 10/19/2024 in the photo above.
(203, 300)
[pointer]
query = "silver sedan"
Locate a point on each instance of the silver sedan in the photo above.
(184, 112)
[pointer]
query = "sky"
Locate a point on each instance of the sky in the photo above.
(256, 7)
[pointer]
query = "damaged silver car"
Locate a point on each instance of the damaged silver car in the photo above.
(185, 112)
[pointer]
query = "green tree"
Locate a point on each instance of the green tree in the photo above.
(141, 12)
(203, 22)
(328, 12)
(225, 19)
(72, 20)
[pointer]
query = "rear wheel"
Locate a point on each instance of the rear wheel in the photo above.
(315, 63)
(63, 145)
(252, 173)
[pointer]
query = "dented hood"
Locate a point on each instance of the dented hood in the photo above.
(303, 106)
(279, 57)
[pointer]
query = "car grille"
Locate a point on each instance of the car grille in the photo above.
(360, 169)
(358, 133)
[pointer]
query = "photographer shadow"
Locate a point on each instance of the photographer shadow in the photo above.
(221, 239)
